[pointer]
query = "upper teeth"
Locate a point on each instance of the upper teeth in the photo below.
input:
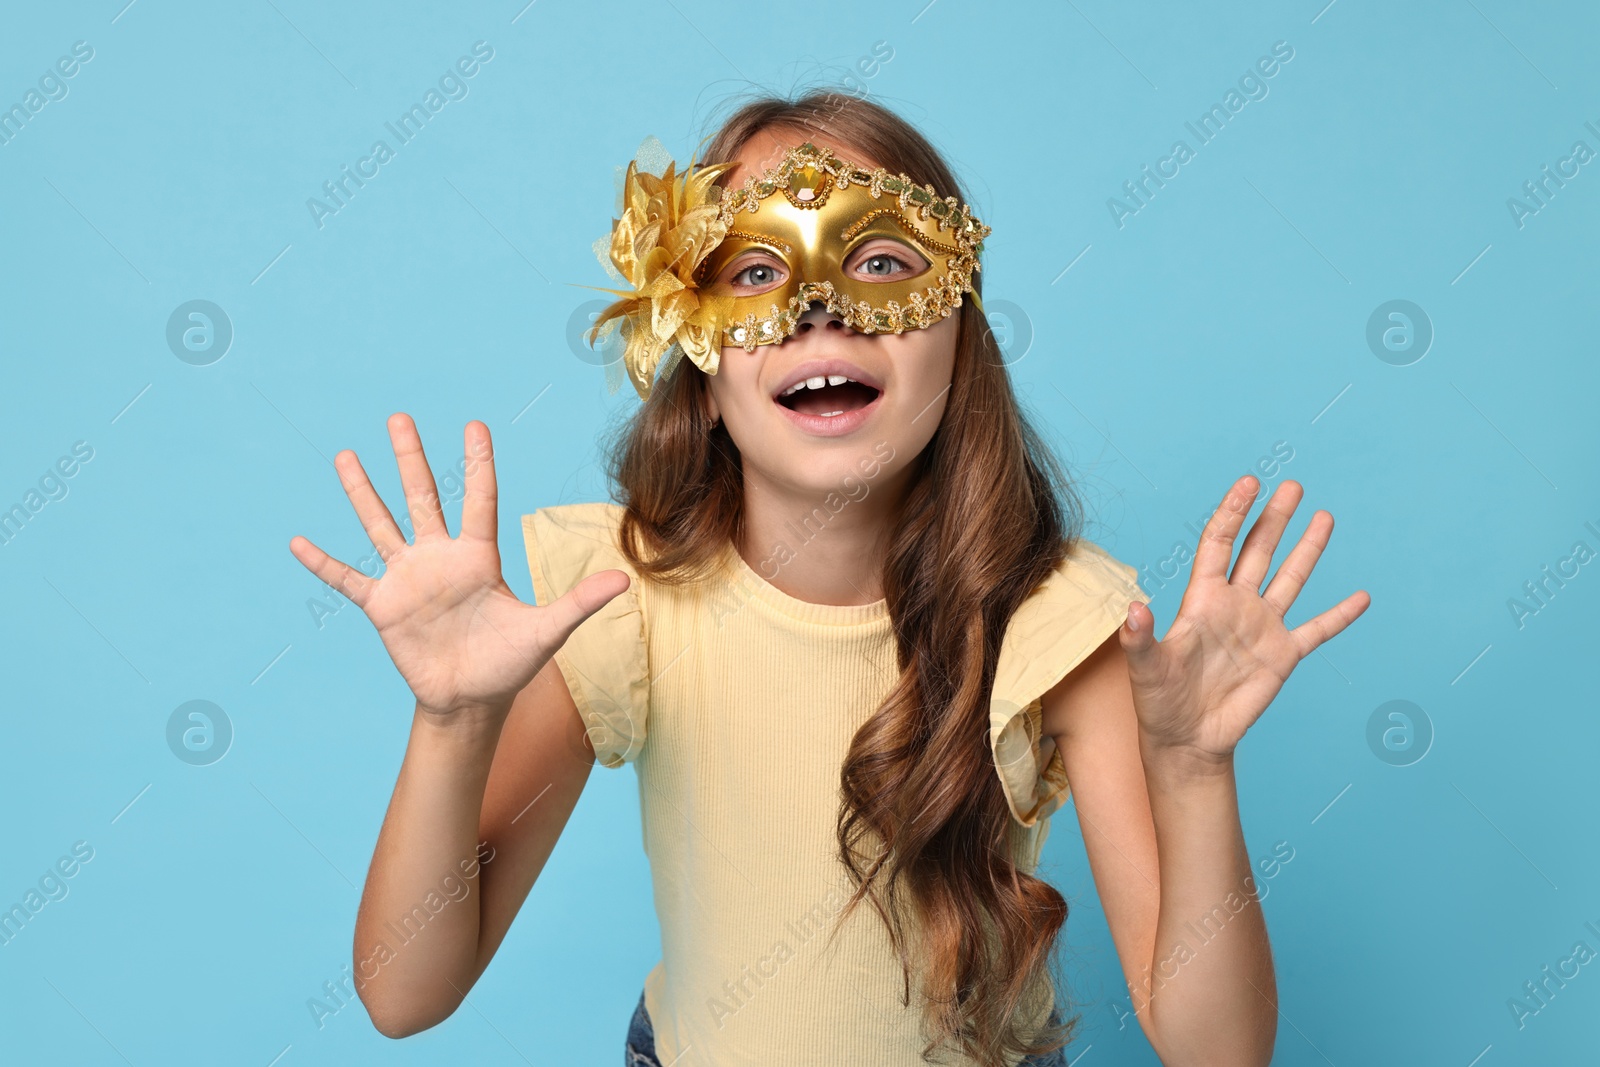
(817, 383)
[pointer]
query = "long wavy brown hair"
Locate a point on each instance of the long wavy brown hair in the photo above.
(923, 829)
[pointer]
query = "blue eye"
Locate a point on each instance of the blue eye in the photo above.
(880, 264)
(761, 274)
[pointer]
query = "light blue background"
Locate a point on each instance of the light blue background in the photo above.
(1228, 315)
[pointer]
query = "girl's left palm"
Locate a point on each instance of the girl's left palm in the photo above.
(1228, 652)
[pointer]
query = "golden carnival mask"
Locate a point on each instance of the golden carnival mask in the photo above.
(686, 245)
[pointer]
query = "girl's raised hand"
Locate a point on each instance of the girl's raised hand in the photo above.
(1228, 652)
(458, 635)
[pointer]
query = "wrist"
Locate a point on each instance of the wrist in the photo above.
(464, 722)
(1166, 762)
(459, 746)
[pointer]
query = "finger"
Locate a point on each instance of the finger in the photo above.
(1215, 551)
(416, 478)
(1297, 566)
(354, 585)
(1255, 555)
(479, 515)
(1313, 632)
(1137, 634)
(370, 508)
(565, 613)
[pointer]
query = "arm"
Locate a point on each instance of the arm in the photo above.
(497, 756)
(1166, 849)
(478, 807)
(1148, 737)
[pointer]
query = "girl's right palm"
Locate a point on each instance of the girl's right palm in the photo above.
(458, 635)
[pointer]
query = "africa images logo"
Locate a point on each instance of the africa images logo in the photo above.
(1252, 85)
(452, 86)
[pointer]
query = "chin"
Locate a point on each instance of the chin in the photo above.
(849, 470)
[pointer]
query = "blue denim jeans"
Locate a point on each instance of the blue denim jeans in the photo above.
(641, 1046)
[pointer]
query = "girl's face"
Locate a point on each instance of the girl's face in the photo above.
(834, 439)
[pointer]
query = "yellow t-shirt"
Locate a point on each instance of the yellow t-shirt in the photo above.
(736, 704)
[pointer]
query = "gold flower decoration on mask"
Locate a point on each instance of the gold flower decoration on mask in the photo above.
(669, 223)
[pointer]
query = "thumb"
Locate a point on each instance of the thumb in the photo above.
(568, 611)
(1138, 637)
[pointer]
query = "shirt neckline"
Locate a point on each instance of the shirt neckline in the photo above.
(752, 582)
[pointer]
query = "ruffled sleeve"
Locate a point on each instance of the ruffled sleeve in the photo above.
(605, 661)
(1070, 614)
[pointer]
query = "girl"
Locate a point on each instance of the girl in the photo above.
(842, 623)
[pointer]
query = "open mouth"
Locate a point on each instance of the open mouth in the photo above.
(827, 396)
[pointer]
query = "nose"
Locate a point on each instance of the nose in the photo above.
(817, 314)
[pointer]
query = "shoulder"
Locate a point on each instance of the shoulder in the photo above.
(568, 542)
(605, 661)
(1079, 604)
(598, 521)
